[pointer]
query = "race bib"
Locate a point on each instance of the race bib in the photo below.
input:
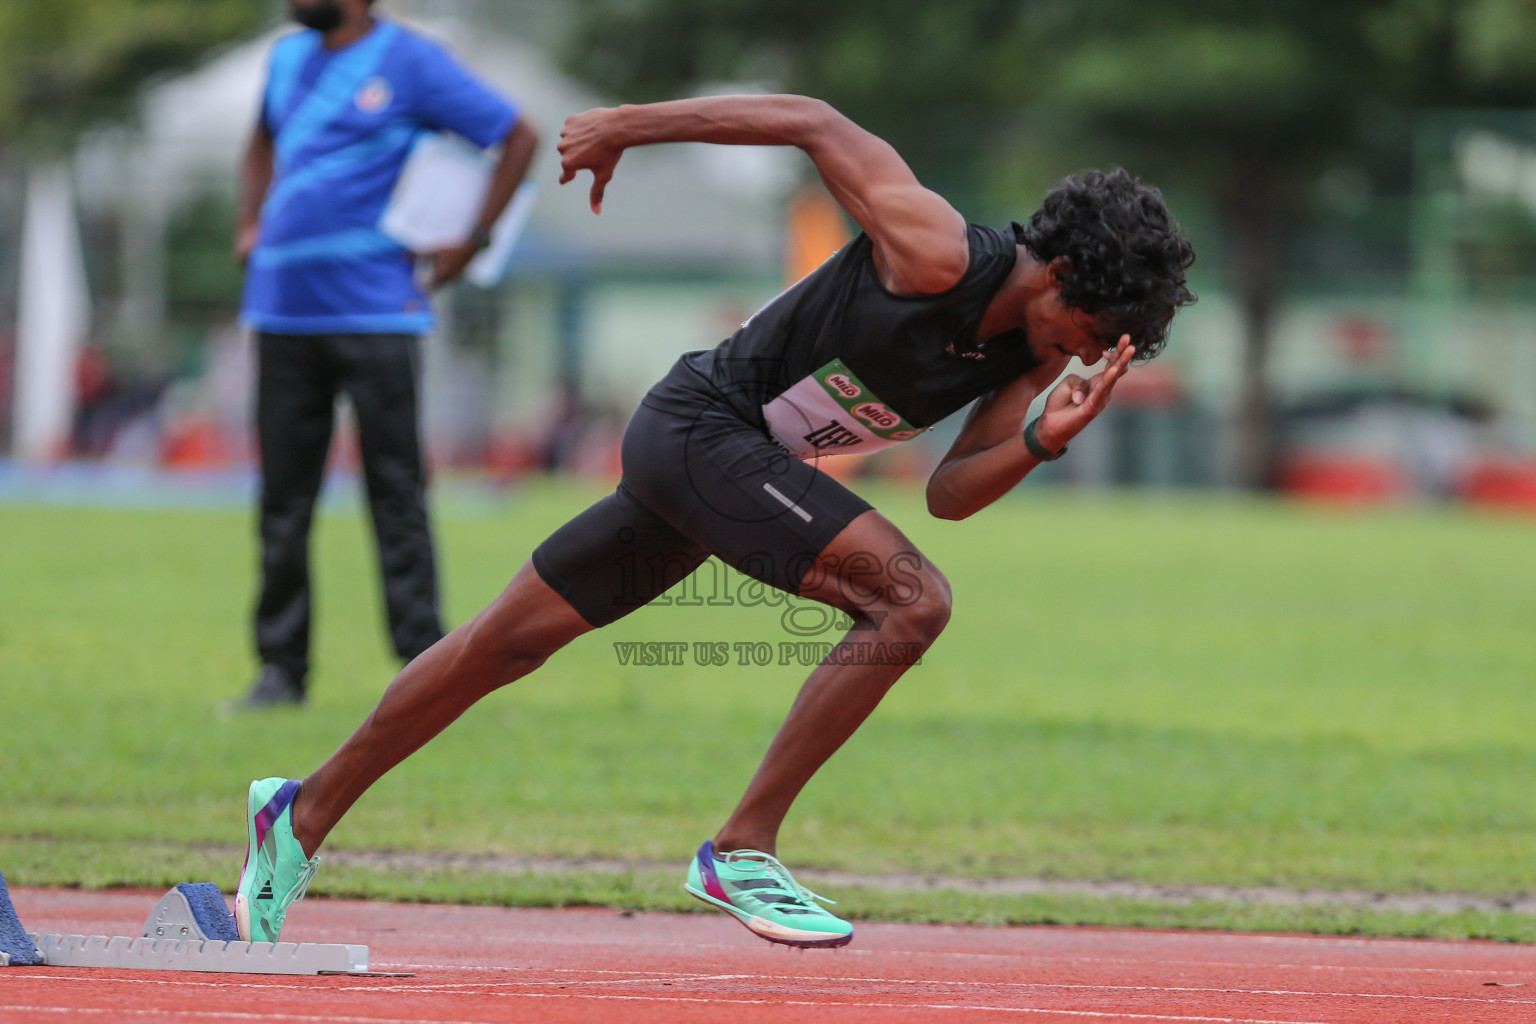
(832, 413)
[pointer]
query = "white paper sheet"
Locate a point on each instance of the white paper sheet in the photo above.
(490, 266)
(438, 199)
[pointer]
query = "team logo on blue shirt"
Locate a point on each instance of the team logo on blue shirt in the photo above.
(374, 95)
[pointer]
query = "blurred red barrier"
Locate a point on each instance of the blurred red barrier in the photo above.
(1342, 478)
(1503, 483)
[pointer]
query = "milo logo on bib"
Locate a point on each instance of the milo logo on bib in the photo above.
(843, 384)
(876, 415)
(832, 412)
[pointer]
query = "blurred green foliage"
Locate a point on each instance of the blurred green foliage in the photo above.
(65, 64)
(1232, 84)
(1245, 104)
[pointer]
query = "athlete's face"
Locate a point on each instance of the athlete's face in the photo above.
(1056, 329)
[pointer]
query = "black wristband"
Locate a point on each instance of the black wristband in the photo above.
(1038, 450)
(481, 239)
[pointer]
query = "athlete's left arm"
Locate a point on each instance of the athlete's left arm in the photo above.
(989, 457)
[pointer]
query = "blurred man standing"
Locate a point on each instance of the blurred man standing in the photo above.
(336, 306)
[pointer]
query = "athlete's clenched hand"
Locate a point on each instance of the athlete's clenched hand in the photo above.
(588, 143)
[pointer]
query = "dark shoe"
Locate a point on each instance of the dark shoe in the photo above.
(273, 688)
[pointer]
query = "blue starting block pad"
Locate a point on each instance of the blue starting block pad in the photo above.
(16, 946)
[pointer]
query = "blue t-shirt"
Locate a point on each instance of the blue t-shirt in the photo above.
(343, 122)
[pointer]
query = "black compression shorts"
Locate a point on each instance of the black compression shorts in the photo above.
(697, 481)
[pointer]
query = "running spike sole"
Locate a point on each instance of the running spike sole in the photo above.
(831, 943)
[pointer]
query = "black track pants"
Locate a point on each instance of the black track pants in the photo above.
(299, 378)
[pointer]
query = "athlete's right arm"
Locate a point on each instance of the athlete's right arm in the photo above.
(255, 179)
(920, 240)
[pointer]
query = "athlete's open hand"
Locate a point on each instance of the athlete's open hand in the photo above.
(1075, 402)
(587, 143)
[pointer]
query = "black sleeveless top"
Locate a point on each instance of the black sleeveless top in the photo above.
(837, 364)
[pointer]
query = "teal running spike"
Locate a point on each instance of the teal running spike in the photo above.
(758, 891)
(276, 872)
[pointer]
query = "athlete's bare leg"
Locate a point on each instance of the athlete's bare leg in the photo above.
(511, 637)
(877, 576)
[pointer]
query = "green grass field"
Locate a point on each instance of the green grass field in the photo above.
(1168, 690)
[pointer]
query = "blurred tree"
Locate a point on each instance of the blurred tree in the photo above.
(1245, 103)
(65, 64)
(912, 71)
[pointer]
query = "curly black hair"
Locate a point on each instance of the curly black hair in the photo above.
(1126, 255)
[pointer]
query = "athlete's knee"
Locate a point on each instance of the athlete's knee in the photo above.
(508, 639)
(924, 611)
(491, 657)
(524, 625)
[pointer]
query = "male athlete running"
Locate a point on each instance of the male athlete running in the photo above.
(914, 319)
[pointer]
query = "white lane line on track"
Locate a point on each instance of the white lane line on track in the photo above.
(1373, 968)
(490, 988)
(1026, 957)
(965, 982)
(189, 979)
(402, 966)
(1023, 957)
(231, 1015)
(316, 985)
(227, 1015)
(1422, 946)
(671, 978)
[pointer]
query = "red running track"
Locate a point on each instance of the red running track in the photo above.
(480, 965)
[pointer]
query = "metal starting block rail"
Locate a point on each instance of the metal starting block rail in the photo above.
(190, 929)
(235, 957)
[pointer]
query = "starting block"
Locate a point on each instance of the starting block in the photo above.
(16, 946)
(190, 929)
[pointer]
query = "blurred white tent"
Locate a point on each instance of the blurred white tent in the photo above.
(684, 206)
(53, 315)
(671, 212)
